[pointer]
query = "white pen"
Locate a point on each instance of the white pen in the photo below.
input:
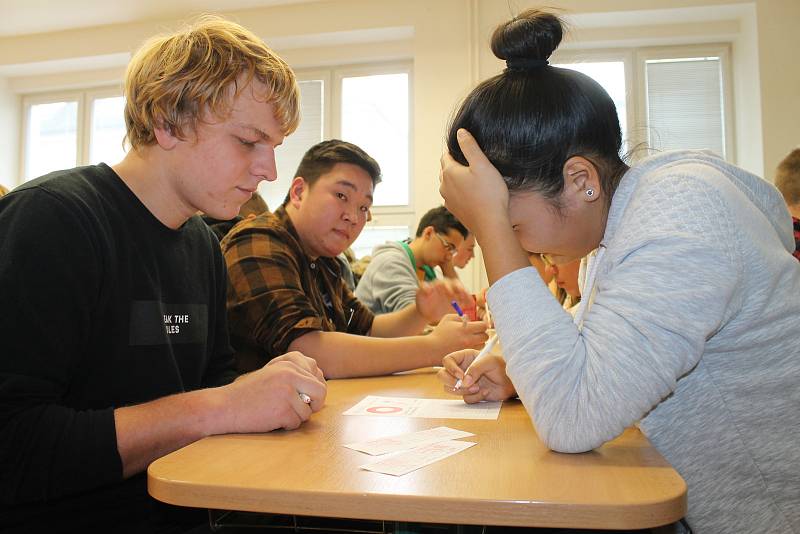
(487, 348)
(305, 398)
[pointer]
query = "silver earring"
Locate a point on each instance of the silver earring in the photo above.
(590, 192)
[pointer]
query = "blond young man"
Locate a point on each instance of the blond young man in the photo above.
(115, 344)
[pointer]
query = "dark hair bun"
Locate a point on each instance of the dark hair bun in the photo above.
(533, 34)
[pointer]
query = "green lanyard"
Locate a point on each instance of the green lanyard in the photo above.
(430, 274)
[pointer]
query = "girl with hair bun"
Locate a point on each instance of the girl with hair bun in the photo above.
(689, 294)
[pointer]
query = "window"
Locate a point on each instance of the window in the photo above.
(65, 130)
(685, 107)
(375, 117)
(669, 98)
(368, 105)
(52, 137)
(310, 132)
(611, 76)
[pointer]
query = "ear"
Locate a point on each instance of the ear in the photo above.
(297, 190)
(428, 232)
(581, 180)
(165, 137)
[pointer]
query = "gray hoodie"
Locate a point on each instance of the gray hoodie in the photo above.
(390, 281)
(688, 326)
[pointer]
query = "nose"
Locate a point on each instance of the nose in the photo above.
(350, 214)
(264, 165)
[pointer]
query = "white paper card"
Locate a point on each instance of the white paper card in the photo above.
(429, 408)
(404, 462)
(404, 442)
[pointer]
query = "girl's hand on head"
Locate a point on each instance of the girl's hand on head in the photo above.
(475, 193)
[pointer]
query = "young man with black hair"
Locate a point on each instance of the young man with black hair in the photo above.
(287, 291)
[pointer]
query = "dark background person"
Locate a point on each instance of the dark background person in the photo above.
(255, 206)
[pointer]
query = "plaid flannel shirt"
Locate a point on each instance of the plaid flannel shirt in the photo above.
(796, 223)
(277, 293)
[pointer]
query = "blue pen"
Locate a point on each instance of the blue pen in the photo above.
(458, 310)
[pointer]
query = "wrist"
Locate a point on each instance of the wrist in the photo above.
(492, 226)
(434, 347)
(210, 407)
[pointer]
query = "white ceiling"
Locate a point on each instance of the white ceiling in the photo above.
(21, 17)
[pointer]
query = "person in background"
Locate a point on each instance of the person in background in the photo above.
(462, 257)
(702, 365)
(564, 282)
(787, 180)
(286, 286)
(115, 344)
(255, 206)
(396, 271)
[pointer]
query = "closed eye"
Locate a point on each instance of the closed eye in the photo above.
(245, 142)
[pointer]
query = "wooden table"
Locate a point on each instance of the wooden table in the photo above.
(509, 478)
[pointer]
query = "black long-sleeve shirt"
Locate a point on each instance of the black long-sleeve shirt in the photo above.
(101, 306)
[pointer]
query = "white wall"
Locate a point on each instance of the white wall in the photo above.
(10, 129)
(779, 73)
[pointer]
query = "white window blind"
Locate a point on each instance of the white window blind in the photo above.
(289, 154)
(685, 108)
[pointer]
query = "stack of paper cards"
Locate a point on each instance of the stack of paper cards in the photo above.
(409, 452)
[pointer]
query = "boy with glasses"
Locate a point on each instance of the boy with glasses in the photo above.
(397, 269)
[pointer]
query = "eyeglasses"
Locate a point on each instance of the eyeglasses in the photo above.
(451, 248)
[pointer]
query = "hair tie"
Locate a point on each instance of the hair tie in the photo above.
(526, 63)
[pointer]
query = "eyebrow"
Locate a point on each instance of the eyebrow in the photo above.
(262, 134)
(352, 186)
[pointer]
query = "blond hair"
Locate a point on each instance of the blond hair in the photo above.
(174, 79)
(3, 190)
(787, 177)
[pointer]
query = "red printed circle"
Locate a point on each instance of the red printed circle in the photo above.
(384, 409)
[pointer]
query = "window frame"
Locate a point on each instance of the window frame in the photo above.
(83, 131)
(89, 96)
(634, 59)
(373, 69)
(627, 57)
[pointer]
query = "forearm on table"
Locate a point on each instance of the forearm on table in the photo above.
(146, 432)
(341, 355)
(405, 322)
